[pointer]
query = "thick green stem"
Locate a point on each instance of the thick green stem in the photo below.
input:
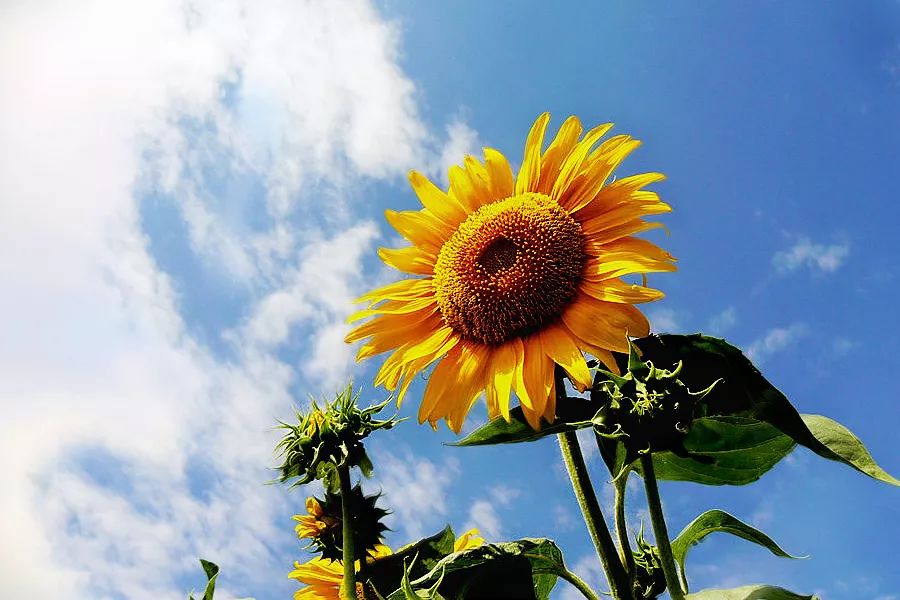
(590, 508)
(621, 526)
(348, 587)
(659, 529)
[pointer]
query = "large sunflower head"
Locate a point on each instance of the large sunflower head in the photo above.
(517, 274)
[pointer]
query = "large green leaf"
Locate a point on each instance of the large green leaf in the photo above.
(416, 560)
(572, 414)
(744, 392)
(724, 450)
(526, 568)
(839, 443)
(750, 592)
(212, 573)
(713, 521)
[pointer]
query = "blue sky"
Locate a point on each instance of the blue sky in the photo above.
(192, 195)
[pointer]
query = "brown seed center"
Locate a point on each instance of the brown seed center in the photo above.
(509, 269)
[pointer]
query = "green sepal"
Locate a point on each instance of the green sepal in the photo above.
(750, 592)
(572, 414)
(212, 573)
(713, 521)
(365, 518)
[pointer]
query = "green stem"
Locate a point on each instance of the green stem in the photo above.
(627, 557)
(348, 587)
(659, 529)
(590, 508)
(578, 583)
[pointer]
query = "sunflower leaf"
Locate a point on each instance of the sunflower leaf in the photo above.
(722, 451)
(749, 592)
(574, 413)
(386, 573)
(526, 568)
(839, 443)
(212, 573)
(718, 520)
(744, 392)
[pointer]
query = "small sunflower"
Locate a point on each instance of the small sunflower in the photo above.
(517, 274)
(315, 523)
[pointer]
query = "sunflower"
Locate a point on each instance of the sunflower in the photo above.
(313, 524)
(516, 275)
(323, 577)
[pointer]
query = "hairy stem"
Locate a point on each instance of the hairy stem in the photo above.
(659, 529)
(348, 587)
(622, 526)
(590, 508)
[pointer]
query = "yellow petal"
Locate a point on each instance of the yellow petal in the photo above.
(530, 172)
(393, 307)
(499, 174)
(556, 153)
(588, 183)
(616, 290)
(537, 373)
(420, 228)
(572, 164)
(563, 350)
(441, 382)
(499, 377)
(438, 203)
(390, 325)
(405, 289)
(604, 324)
(409, 260)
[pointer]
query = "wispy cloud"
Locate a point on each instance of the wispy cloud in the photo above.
(484, 516)
(774, 341)
(818, 258)
(186, 104)
(416, 489)
(664, 320)
(722, 322)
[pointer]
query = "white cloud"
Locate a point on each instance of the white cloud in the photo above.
(189, 101)
(461, 140)
(816, 257)
(484, 516)
(775, 340)
(722, 322)
(416, 489)
(664, 320)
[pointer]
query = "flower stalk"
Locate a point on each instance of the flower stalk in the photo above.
(348, 587)
(621, 525)
(660, 531)
(590, 507)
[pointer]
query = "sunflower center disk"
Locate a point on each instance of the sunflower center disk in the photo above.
(509, 269)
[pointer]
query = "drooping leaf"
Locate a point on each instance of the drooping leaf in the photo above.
(572, 414)
(386, 573)
(841, 445)
(750, 592)
(526, 568)
(724, 450)
(713, 521)
(212, 573)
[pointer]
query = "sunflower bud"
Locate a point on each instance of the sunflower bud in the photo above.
(649, 409)
(328, 437)
(649, 579)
